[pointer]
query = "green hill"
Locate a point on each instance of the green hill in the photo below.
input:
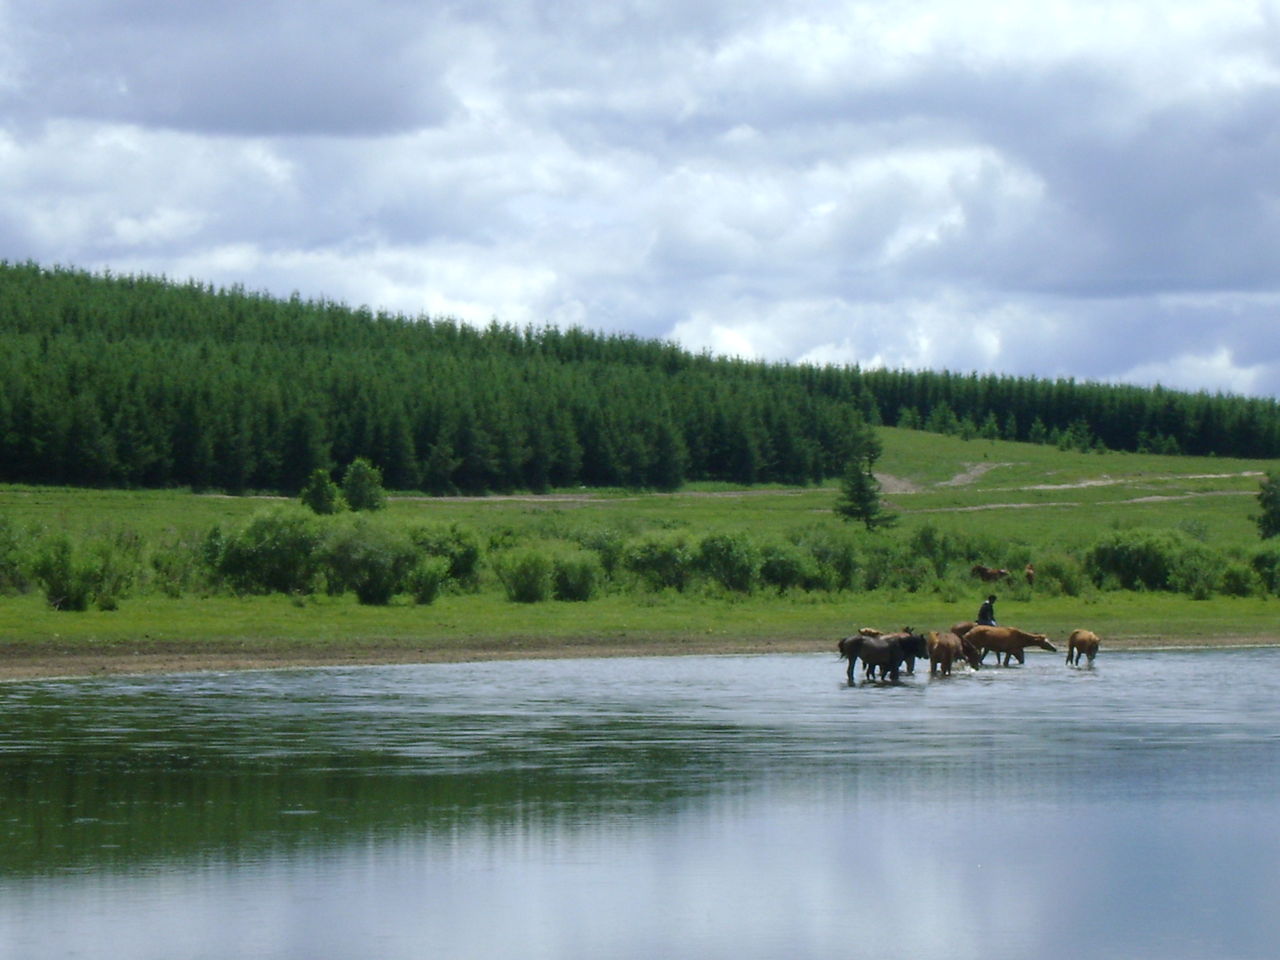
(142, 382)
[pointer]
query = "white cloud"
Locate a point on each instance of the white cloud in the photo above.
(1067, 188)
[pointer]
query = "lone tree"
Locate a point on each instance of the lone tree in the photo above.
(362, 486)
(1269, 499)
(321, 494)
(859, 489)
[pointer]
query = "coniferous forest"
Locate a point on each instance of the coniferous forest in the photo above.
(141, 381)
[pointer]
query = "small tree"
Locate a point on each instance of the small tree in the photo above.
(1269, 500)
(859, 489)
(362, 486)
(321, 494)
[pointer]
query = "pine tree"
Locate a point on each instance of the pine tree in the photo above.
(1269, 500)
(859, 489)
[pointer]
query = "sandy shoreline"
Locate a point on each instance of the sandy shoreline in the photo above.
(25, 664)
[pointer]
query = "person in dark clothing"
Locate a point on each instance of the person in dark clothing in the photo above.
(987, 612)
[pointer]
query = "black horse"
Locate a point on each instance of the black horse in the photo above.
(888, 652)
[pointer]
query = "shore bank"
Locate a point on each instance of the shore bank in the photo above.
(26, 663)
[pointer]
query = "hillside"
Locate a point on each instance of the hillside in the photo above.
(141, 382)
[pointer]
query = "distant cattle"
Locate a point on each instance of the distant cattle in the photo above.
(989, 574)
(1007, 641)
(1082, 641)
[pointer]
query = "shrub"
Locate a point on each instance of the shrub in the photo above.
(276, 552)
(176, 567)
(322, 495)
(576, 576)
(64, 573)
(661, 562)
(731, 560)
(73, 575)
(1061, 575)
(1196, 571)
(370, 560)
(525, 575)
(1266, 564)
(14, 559)
(1134, 560)
(1238, 579)
(785, 567)
(838, 558)
(609, 545)
(362, 486)
(455, 544)
(427, 578)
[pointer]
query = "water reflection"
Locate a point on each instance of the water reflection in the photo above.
(745, 807)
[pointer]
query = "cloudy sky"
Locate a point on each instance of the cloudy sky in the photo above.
(1087, 188)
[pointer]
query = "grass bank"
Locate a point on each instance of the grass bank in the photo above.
(1018, 502)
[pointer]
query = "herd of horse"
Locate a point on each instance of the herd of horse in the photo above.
(968, 641)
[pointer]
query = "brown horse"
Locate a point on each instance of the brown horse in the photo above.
(1009, 641)
(988, 574)
(1082, 642)
(946, 648)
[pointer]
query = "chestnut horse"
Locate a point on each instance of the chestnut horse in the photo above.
(946, 648)
(1082, 642)
(1009, 641)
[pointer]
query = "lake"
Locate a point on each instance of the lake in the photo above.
(701, 807)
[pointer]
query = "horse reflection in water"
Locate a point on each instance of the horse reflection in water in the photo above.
(886, 651)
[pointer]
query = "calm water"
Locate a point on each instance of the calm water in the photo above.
(710, 807)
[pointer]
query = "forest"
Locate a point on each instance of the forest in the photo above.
(143, 382)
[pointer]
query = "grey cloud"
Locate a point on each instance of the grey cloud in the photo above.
(264, 69)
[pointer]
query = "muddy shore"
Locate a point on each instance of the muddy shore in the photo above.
(27, 664)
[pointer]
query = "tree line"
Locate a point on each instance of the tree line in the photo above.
(141, 381)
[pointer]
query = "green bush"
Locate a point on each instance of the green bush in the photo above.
(1135, 560)
(276, 552)
(322, 495)
(1266, 564)
(14, 558)
(731, 560)
(64, 573)
(786, 567)
(427, 579)
(368, 559)
(177, 567)
(576, 576)
(362, 486)
(1061, 575)
(661, 562)
(525, 575)
(1197, 571)
(456, 544)
(609, 545)
(837, 555)
(72, 575)
(1238, 579)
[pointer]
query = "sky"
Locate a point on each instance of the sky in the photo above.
(1053, 189)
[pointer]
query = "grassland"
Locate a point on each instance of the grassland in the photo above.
(1038, 498)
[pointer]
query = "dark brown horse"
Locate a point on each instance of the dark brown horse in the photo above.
(887, 652)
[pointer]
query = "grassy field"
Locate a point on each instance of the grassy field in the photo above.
(1037, 499)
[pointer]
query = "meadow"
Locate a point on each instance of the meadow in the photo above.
(957, 502)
